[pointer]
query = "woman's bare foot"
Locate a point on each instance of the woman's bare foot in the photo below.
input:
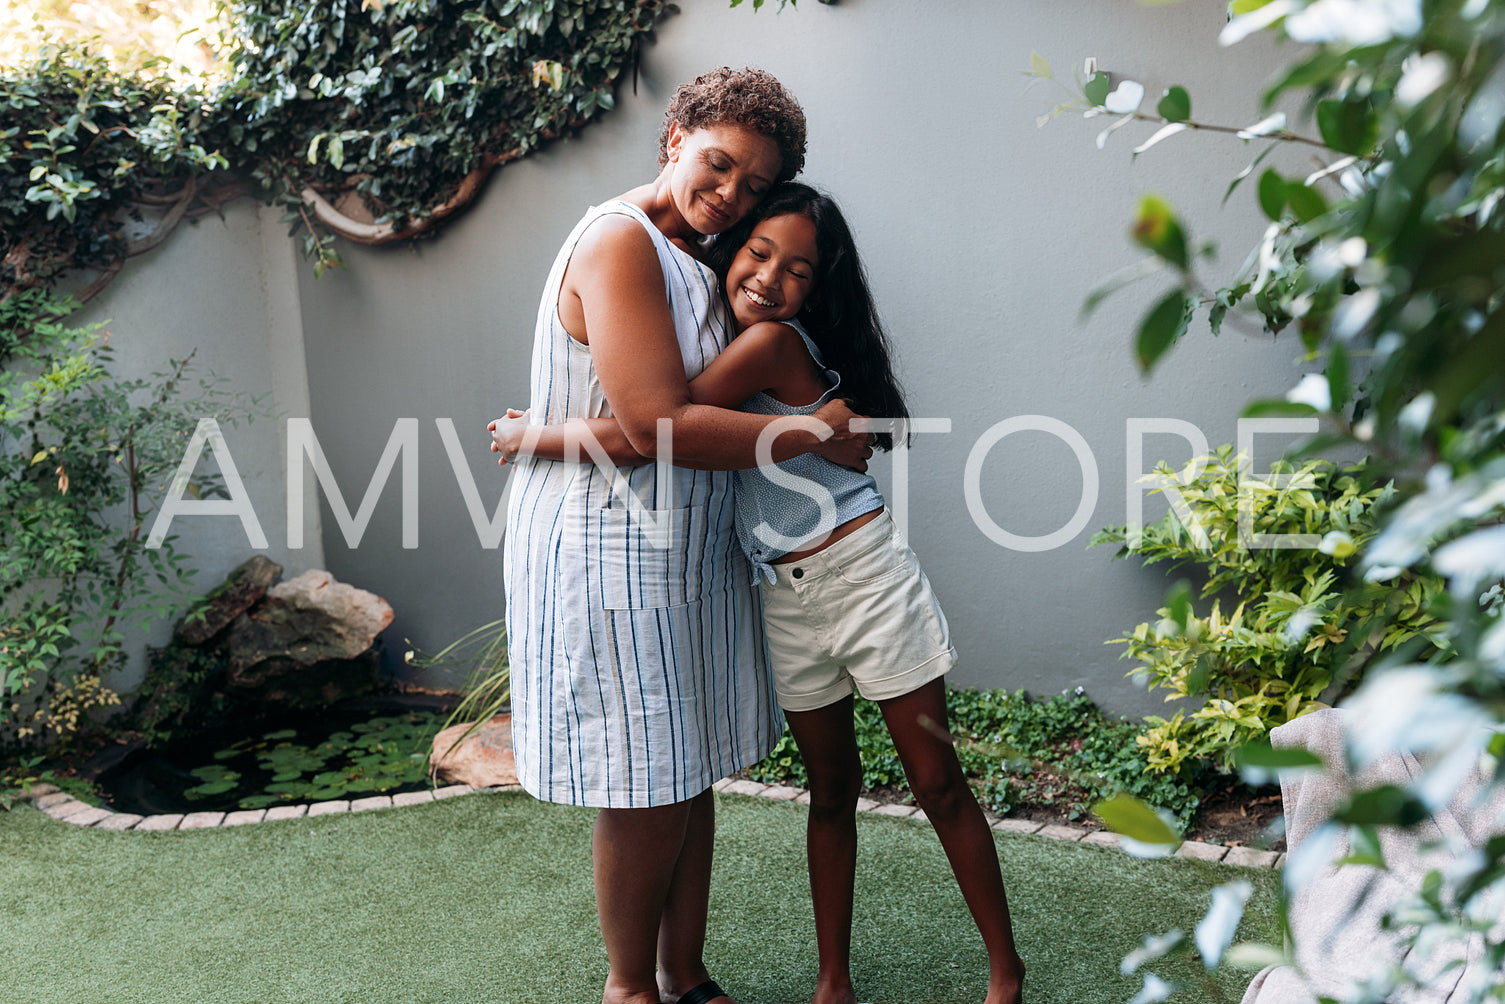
(671, 991)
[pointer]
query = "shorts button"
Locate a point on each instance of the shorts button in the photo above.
(798, 573)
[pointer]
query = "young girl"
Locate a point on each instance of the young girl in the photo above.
(845, 604)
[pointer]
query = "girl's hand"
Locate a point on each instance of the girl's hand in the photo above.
(845, 447)
(507, 435)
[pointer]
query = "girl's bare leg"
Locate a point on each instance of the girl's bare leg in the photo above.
(918, 723)
(681, 932)
(637, 853)
(829, 748)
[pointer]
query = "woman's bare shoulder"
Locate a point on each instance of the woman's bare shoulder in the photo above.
(613, 233)
(614, 248)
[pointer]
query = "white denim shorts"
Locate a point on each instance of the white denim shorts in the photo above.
(858, 615)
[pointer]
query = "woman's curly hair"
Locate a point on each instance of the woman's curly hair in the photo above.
(748, 97)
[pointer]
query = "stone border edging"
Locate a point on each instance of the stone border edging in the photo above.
(1196, 850)
(65, 808)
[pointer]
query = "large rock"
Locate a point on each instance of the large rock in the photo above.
(481, 760)
(308, 642)
(231, 598)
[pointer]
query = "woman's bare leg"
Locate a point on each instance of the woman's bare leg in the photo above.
(829, 748)
(681, 932)
(918, 723)
(636, 853)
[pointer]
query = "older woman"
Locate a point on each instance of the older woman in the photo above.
(637, 667)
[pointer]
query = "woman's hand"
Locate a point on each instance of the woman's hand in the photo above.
(507, 435)
(844, 447)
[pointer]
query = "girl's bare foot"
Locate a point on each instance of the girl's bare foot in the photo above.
(1006, 986)
(833, 991)
(613, 995)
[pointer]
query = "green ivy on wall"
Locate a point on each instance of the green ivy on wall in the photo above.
(408, 106)
(371, 120)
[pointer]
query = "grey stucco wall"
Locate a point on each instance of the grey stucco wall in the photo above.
(981, 233)
(222, 288)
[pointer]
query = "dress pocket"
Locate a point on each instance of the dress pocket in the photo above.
(648, 558)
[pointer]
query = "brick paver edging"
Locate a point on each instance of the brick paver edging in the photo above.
(67, 809)
(1247, 857)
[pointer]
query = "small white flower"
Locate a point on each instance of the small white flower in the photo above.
(1258, 19)
(1264, 127)
(1353, 251)
(1300, 622)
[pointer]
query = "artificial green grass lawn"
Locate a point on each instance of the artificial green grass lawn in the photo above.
(488, 898)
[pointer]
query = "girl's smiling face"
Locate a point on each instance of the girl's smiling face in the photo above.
(774, 271)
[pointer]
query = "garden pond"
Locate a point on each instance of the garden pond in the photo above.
(366, 747)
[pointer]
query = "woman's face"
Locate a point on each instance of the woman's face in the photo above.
(720, 173)
(773, 272)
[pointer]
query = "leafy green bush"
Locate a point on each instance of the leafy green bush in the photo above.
(81, 451)
(1061, 751)
(1299, 633)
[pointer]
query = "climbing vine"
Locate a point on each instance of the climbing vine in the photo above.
(378, 121)
(373, 120)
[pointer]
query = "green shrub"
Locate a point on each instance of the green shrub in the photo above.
(1061, 751)
(81, 451)
(1300, 631)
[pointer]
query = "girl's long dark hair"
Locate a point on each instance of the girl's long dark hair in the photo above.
(839, 312)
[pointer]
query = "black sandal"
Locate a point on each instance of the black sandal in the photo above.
(703, 994)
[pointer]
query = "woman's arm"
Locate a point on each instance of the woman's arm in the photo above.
(767, 357)
(579, 440)
(615, 285)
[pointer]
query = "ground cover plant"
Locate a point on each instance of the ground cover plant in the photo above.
(1052, 757)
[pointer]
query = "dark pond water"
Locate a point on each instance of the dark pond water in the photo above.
(368, 747)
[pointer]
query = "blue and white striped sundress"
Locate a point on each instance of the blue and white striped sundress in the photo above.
(638, 675)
